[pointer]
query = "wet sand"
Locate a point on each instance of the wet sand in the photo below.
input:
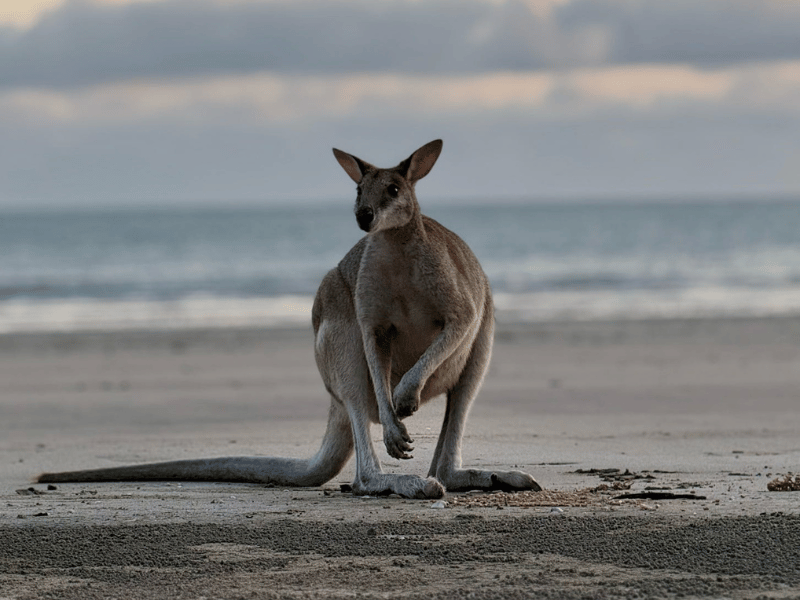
(707, 409)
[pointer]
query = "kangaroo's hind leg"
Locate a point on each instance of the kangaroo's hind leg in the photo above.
(351, 386)
(446, 464)
(340, 357)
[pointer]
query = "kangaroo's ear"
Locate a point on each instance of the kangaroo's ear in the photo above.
(419, 164)
(352, 165)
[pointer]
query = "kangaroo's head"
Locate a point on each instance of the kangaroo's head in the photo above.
(386, 197)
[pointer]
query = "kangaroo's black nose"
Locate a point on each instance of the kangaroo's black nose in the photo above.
(365, 216)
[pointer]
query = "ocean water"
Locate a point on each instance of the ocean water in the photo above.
(141, 269)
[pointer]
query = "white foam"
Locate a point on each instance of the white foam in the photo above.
(696, 302)
(208, 311)
(197, 311)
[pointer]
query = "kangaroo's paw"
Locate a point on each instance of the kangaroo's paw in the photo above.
(405, 399)
(407, 486)
(462, 480)
(397, 441)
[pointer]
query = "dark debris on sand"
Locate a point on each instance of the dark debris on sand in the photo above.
(785, 484)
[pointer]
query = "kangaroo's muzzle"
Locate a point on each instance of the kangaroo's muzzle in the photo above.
(365, 217)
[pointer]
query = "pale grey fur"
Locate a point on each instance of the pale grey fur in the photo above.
(406, 316)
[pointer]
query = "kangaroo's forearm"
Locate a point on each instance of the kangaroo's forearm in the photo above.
(380, 365)
(452, 336)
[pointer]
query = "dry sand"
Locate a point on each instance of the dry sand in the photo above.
(707, 409)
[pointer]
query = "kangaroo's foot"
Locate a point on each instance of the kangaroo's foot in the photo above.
(461, 480)
(407, 486)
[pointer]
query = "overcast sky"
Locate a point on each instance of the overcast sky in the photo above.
(121, 102)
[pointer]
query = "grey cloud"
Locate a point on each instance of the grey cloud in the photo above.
(699, 32)
(85, 43)
(492, 156)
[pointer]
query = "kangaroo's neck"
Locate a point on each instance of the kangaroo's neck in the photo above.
(413, 232)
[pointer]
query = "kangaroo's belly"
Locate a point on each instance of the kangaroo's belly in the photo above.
(414, 325)
(409, 346)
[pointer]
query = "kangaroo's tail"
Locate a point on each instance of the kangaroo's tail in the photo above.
(335, 451)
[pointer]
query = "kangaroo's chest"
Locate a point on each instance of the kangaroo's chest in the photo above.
(410, 311)
(393, 294)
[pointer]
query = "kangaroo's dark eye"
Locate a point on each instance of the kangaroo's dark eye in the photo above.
(393, 190)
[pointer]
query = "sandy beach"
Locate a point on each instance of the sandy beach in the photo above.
(707, 411)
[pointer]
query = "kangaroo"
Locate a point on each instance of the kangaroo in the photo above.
(406, 316)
